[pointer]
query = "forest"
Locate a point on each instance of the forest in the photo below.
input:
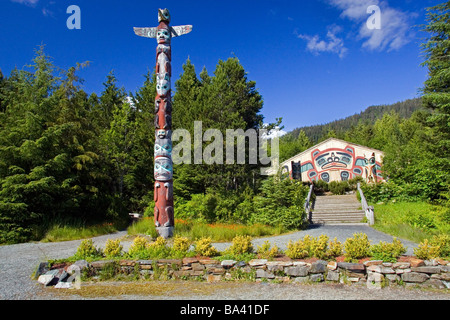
(69, 157)
(339, 127)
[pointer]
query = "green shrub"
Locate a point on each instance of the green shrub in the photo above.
(296, 250)
(240, 245)
(334, 248)
(86, 250)
(319, 247)
(280, 203)
(443, 241)
(312, 247)
(266, 251)
(388, 252)
(338, 187)
(321, 187)
(200, 206)
(426, 250)
(299, 249)
(138, 248)
(158, 249)
(357, 247)
(203, 247)
(113, 248)
(181, 244)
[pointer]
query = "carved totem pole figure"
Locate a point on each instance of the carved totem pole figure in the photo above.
(296, 170)
(372, 169)
(163, 171)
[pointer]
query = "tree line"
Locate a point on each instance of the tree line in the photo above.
(66, 155)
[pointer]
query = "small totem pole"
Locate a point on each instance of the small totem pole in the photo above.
(163, 171)
(296, 170)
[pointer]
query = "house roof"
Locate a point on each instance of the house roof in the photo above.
(307, 151)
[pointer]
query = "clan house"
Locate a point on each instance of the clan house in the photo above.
(335, 160)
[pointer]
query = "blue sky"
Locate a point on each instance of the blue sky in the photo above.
(314, 61)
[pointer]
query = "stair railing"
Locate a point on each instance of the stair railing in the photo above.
(368, 210)
(308, 206)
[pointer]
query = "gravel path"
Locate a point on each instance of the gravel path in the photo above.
(18, 262)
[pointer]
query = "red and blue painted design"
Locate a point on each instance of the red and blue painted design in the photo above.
(343, 160)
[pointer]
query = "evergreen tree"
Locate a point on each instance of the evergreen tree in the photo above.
(139, 180)
(437, 93)
(2, 93)
(44, 152)
(112, 98)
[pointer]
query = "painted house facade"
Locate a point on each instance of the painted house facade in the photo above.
(335, 160)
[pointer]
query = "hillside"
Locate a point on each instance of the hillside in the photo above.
(404, 108)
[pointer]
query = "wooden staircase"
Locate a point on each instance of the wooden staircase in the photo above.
(336, 209)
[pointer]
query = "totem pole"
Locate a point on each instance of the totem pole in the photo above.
(163, 171)
(373, 168)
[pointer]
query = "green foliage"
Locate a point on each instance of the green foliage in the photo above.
(138, 248)
(436, 95)
(426, 250)
(443, 242)
(280, 203)
(158, 249)
(334, 248)
(319, 247)
(357, 247)
(337, 187)
(109, 271)
(181, 244)
(113, 248)
(290, 145)
(414, 221)
(266, 251)
(67, 156)
(203, 247)
(200, 206)
(355, 128)
(388, 252)
(240, 245)
(87, 250)
(313, 247)
(298, 249)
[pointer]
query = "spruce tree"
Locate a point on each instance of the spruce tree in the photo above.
(436, 91)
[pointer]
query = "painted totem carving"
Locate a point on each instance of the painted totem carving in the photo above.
(296, 170)
(163, 171)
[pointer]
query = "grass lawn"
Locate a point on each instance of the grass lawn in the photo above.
(414, 221)
(75, 231)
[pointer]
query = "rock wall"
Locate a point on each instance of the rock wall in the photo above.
(373, 274)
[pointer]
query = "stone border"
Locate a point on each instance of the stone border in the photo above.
(374, 273)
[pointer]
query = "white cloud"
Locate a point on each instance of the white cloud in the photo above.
(332, 44)
(395, 29)
(26, 2)
(276, 132)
